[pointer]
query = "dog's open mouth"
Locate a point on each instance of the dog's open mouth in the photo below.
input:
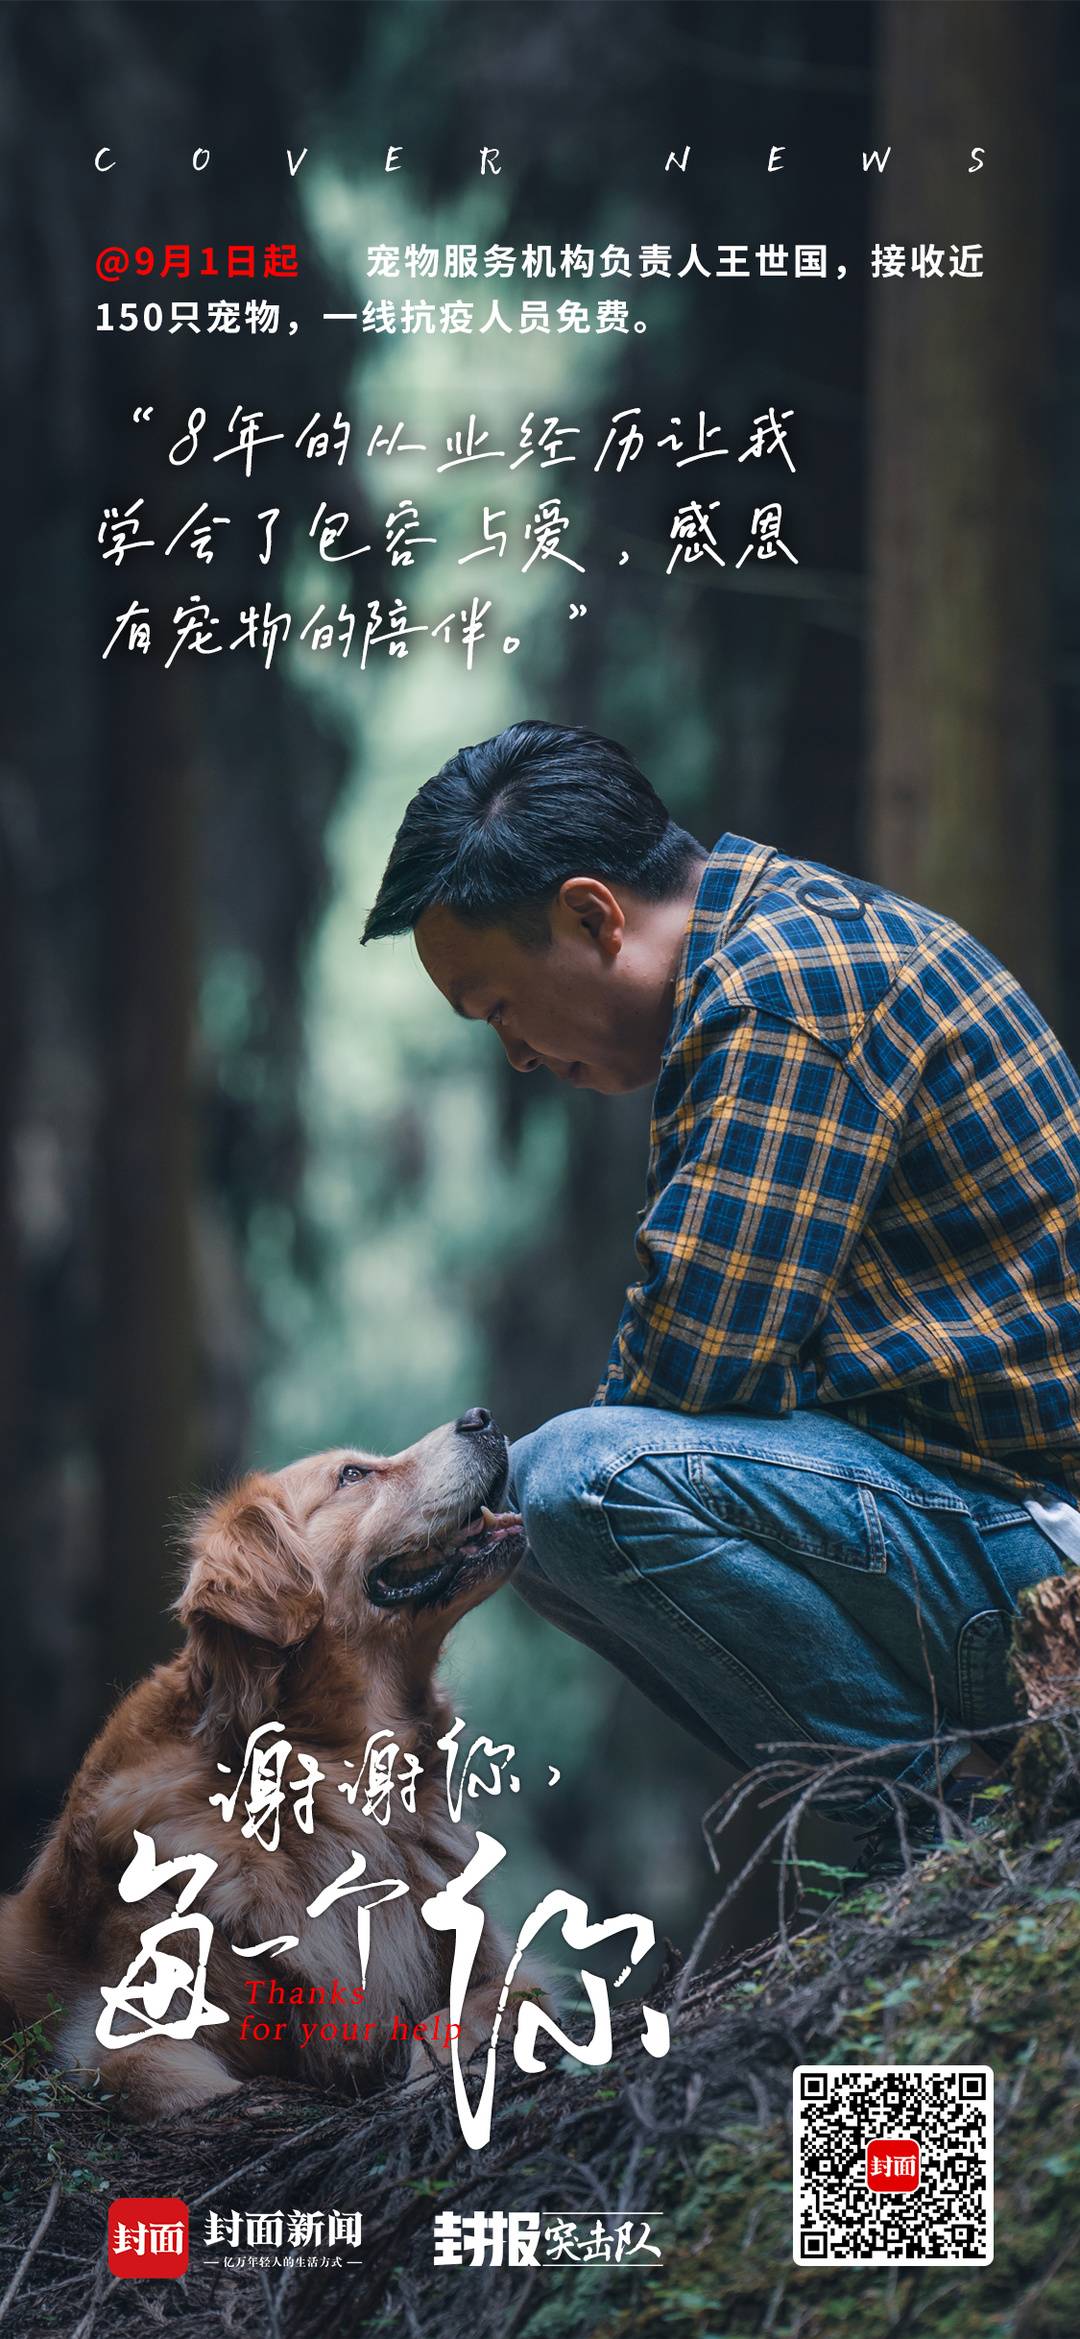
(490, 1543)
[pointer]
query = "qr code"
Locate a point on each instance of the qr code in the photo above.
(893, 2164)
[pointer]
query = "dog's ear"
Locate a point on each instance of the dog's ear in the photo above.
(250, 1598)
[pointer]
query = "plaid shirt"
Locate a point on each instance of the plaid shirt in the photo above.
(864, 1181)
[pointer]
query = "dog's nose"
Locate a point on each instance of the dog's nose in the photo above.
(476, 1418)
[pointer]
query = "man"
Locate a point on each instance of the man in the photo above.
(840, 1424)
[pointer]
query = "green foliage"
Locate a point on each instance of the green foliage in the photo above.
(34, 2099)
(1007, 1997)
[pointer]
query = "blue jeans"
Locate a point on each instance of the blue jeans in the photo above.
(784, 1582)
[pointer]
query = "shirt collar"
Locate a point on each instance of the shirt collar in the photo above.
(733, 869)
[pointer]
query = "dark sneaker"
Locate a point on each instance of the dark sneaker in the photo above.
(975, 1801)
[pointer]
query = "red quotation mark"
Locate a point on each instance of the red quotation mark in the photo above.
(892, 2164)
(148, 2237)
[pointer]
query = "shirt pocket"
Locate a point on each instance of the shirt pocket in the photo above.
(808, 1514)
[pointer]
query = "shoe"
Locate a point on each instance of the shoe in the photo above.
(975, 1801)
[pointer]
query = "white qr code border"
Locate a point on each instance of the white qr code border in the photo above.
(810, 2234)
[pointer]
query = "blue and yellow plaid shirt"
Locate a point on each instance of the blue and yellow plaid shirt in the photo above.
(864, 1181)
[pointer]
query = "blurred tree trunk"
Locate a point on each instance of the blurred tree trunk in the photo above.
(145, 1388)
(11, 1039)
(961, 803)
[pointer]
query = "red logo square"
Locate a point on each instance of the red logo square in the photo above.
(892, 2164)
(148, 2236)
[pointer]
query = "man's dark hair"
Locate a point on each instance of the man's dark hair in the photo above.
(495, 832)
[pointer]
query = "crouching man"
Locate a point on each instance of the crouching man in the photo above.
(839, 1428)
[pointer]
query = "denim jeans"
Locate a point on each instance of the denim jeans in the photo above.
(787, 1582)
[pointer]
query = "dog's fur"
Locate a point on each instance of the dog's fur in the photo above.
(319, 1600)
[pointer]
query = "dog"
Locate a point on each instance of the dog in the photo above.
(317, 1597)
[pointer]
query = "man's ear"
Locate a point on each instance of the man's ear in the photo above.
(588, 902)
(250, 1598)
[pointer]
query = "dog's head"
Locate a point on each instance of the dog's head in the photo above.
(385, 1549)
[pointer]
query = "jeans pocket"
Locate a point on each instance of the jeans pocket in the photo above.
(987, 1697)
(809, 1513)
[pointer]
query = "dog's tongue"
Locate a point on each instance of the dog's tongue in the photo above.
(486, 1526)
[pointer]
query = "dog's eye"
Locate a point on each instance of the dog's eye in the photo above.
(351, 1472)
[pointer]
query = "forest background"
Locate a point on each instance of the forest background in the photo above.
(259, 1191)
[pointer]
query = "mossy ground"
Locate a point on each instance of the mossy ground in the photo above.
(973, 1957)
(1008, 1995)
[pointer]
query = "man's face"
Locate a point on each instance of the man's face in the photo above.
(578, 1006)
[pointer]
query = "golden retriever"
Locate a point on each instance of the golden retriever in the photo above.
(318, 1598)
